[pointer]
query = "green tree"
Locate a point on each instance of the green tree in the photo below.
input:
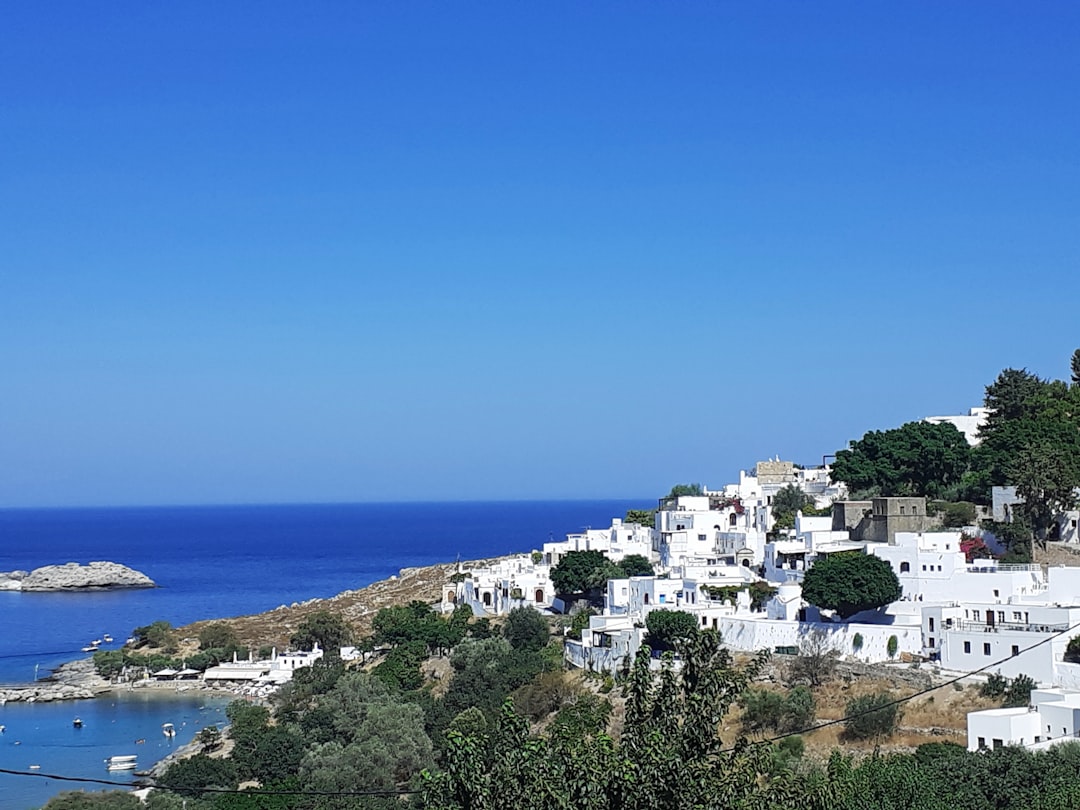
(667, 628)
(219, 635)
(917, 458)
(850, 582)
(329, 630)
(642, 517)
(670, 755)
(786, 502)
(1074, 367)
(190, 776)
(526, 629)
(1046, 476)
(157, 634)
(686, 489)
(583, 572)
(1018, 692)
(871, 716)
(636, 565)
(209, 738)
(97, 800)
(367, 737)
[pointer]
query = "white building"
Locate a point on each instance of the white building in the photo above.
(1052, 717)
(968, 423)
(278, 669)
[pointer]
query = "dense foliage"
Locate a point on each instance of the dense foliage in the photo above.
(850, 582)
(642, 517)
(668, 628)
(329, 630)
(917, 458)
(1031, 440)
(585, 573)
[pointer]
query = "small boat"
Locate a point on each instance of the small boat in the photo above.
(168, 729)
(120, 759)
(120, 766)
(96, 642)
(107, 638)
(92, 647)
(35, 767)
(77, 722)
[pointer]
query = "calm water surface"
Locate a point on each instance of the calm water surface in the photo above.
(213, 562)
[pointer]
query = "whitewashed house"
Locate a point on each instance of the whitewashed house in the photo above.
(1052, 717)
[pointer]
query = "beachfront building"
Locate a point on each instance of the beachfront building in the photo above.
(276, 670)
(1052, 717)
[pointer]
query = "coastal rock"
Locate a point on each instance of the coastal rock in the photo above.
(73, 577)
(12, 580)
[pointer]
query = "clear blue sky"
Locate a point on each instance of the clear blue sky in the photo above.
(382, 251)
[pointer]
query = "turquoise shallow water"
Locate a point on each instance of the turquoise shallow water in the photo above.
(42, 734)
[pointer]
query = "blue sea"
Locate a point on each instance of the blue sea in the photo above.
(211, 562)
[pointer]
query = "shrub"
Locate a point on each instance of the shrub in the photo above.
(547, 693)
(666, 627)
(767, 709)
(217, 635)
(995, 685)
(1072, 651)
(526, 629)
(1018, 692)
(871, 716)
(537, 557)
(892, 646)
(816, 661)
(857, 642)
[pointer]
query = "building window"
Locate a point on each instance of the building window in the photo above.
(996, 592)
(1001, 616)
(704, 621)
(701, 538)
(931, 624)
(986, 648)
(967, 647)
(901, 510)
(931, 644)
(905, 567)
(998, 743)
(1015, 649)
(924, 568)
(982, 742)
(1016, 615)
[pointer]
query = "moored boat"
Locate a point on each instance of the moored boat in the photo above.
(168, 729)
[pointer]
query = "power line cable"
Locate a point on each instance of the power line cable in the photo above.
(406, 792)
(920, 693)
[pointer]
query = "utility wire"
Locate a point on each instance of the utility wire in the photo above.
(776, 738)
(920, 693)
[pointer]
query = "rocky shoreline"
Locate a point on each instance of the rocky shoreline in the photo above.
(101, 575)
(78, 680)
(75, 680)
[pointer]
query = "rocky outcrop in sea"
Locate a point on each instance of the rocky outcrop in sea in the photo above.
(76, 577)
(76, 680)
